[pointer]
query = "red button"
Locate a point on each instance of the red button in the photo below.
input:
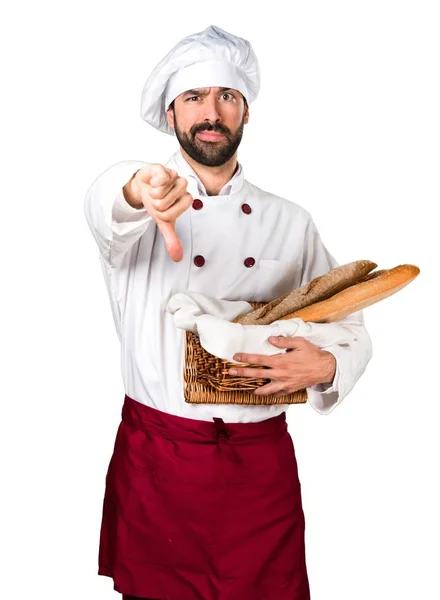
(197, 204)
(249, 262)
(246, 209)
(199, 261)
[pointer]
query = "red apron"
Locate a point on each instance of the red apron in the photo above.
(195, 510)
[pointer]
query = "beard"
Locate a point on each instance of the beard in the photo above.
(210, 154)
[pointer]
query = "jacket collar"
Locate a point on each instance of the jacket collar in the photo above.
(233, 186)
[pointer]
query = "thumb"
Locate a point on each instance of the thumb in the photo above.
(172, 242)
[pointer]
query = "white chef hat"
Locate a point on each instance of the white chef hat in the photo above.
(211, 58)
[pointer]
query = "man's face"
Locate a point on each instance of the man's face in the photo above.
(209, 123)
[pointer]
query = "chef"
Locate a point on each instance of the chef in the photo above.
(203, 501)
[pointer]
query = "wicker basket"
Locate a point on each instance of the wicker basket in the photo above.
(206, 379)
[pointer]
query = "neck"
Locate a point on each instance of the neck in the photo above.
(213, 178)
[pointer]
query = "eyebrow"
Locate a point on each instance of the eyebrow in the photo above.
(198, 93)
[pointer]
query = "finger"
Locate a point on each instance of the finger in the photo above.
(270, 388)
(170, 190)
(179, 206)
(159, 192)
(251, 372)
(164, 197)
(150, 171)
(287, 341)
(254, 359)
(172, 242)
(161, 176)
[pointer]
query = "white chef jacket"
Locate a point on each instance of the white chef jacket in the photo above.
(244, 244)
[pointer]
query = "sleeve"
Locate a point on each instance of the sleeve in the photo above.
(351, 358)
(115, 225)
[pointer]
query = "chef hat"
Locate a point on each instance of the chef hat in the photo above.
(211, 58)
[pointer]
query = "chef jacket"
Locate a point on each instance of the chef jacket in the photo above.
(243, 244)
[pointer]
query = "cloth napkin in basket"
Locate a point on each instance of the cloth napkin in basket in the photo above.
(211, 319)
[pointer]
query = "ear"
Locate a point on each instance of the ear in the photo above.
(246, 113)
(170, 117)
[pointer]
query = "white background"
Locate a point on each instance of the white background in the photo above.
(347, 125)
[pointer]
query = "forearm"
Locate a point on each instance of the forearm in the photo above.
(114, 222)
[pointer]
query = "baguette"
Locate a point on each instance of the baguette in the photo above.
(320, 288)
(371, 289)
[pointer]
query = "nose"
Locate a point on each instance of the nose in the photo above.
(210, 108)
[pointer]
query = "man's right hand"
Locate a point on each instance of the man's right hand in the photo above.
(163, 193)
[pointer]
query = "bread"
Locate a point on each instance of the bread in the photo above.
(318, 289)
(372, 288)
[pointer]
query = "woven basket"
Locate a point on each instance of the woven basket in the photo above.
(327, 298)
(206, 379)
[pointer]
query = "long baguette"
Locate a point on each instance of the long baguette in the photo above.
(374, 287)
(320, 288)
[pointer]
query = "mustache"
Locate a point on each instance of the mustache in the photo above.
(218, 127)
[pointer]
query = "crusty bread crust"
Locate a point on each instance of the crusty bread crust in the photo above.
(372, 288)
(318, 289)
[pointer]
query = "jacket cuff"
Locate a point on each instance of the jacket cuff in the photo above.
(324, 397)
(123, 212)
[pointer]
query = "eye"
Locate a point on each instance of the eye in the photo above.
(227, 95)
(191, 98)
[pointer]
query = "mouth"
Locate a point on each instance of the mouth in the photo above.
(210, 136)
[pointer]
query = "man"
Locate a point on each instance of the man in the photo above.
(203, 501)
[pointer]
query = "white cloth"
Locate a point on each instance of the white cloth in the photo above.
(211, 319)
(141, 278)
(210, 48)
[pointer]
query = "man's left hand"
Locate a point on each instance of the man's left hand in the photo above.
(302, 365)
